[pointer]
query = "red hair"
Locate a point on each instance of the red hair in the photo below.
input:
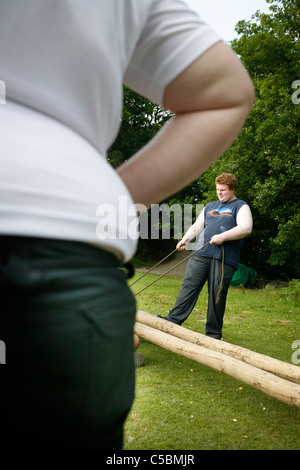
(227, 178)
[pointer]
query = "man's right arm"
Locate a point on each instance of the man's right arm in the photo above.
(211, 99)
(192, 232)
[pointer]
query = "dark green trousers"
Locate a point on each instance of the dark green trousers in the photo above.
(66, 317)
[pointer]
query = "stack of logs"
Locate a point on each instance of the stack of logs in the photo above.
(271, 376)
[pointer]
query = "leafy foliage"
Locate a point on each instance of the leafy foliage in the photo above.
(265, 155)
(141, 120)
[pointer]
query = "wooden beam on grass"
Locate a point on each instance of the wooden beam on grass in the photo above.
(269, 364)
(270, 384)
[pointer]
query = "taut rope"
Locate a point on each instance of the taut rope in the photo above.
(151, 269)
(171, 269)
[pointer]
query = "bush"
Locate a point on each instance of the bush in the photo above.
(293, 291)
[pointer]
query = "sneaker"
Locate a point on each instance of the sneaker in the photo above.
(138, 359)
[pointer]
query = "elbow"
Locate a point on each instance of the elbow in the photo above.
(242, 93)
(248, 230)
(243, 96)
(245, 230)
(247, 96)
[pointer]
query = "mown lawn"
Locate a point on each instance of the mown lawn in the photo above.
(183, 405)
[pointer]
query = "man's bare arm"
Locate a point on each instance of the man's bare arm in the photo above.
(212, 99)
(192, 232)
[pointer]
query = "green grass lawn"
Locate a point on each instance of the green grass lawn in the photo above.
(183, 405)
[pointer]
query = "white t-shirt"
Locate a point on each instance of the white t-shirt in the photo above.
(63, 63)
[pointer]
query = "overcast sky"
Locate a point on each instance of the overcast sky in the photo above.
(223, 15)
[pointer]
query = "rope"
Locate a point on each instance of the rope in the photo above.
(151, 269)
(180, 262)
(221, 283)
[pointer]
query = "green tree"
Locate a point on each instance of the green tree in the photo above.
(265, 156)
(141, 120)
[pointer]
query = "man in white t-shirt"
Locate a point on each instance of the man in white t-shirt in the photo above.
(67, 314)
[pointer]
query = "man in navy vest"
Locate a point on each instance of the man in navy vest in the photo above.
(224, 222)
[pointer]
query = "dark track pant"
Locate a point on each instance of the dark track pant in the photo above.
(198, 271)
(67, 320)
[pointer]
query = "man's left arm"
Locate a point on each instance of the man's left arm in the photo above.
(244, 224)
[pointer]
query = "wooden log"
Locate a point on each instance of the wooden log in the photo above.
(269, 364)
(270, 384)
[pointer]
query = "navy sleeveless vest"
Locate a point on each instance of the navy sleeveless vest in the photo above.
(220, 217)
